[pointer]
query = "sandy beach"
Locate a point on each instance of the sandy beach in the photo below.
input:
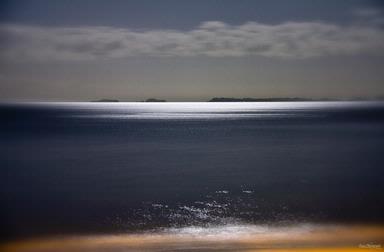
(304, 237)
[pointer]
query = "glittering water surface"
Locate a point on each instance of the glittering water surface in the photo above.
(86, 168)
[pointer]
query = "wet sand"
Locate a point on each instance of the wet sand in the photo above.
(228, 238)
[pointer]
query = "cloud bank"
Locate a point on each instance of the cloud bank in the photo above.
(289, 40)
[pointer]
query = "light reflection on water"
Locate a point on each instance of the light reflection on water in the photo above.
(219, 208)
(200, 110)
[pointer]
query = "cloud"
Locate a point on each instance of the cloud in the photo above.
(290, 40)
(367, 12)
(370, 16)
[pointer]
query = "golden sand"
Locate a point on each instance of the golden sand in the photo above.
(304, 238)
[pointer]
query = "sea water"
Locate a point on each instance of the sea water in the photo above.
(96, 168)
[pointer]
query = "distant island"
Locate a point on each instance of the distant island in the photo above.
(226, 99)
(154, 100)
(115, 100)
(106, 100)
(249, 99)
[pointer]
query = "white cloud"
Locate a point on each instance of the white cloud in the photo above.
(367, 12)
(369, 16)
(212, 39)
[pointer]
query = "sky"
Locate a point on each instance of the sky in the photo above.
(179, 50)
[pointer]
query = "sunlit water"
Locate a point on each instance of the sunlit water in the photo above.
(216, 171)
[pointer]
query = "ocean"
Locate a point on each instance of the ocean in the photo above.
(72, 169)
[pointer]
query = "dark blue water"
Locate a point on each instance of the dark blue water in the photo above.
(68, 168)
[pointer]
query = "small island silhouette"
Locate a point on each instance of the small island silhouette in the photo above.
(154, 100)
(115, 100)
(106, 100)
(245, 99)
(231, 99)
